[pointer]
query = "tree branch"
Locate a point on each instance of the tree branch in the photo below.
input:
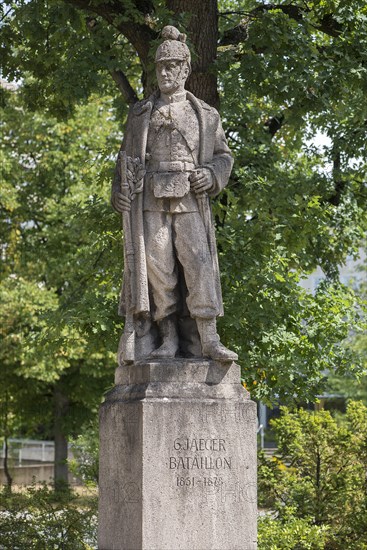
(119, 76)
(235, 36)
(6, 14)
(339, 183)
(328, 25)
(294, 12)
(274, 124)
(139, 35)
(124, 86)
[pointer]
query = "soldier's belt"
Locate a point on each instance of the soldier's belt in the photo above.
(174, 166)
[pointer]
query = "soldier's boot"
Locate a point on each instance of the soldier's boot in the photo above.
(211, 344)
(168, 332)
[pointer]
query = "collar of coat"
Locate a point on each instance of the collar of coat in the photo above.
(147, 104)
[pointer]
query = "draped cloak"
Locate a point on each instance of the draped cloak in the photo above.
(214, 154)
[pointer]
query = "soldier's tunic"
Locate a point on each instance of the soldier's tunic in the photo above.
(173, 227)
(167, 229)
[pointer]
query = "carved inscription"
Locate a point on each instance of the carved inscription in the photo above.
(233, 491)
(129, 492)
(229, 413)
(201, 444)
(195, 481)
(198, 461)
(199, 454)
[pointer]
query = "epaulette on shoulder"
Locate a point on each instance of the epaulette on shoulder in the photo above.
(206, 106)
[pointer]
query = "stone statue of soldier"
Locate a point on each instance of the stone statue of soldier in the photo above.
(173, 158)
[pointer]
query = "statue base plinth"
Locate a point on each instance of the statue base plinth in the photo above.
(178, 459)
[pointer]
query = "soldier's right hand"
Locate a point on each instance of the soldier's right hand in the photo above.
(121, 202)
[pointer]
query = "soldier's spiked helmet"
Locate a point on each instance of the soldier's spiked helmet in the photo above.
(174, 47)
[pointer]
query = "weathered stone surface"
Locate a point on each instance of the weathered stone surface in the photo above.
(177, 436)
(179, 370)
(174, 158)
(194, 379)
(178, 472)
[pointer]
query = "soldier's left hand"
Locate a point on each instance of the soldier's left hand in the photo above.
(201, 180)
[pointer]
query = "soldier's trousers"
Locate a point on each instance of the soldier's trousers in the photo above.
(179, 237)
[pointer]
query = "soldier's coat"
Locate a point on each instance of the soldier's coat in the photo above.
(213, 154)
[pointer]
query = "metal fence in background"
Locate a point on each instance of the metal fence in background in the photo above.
(21, 451)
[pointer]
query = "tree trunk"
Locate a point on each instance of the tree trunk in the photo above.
(61, 471)
(9, 479)
(203, 35)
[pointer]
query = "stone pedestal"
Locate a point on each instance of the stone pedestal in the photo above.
(178, 459)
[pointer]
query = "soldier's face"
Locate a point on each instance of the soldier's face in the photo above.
(171, 76)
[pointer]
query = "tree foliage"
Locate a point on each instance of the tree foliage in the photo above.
(55, 368)
(316, 483)
(347, 385)
(41, 519)
(284, 73)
